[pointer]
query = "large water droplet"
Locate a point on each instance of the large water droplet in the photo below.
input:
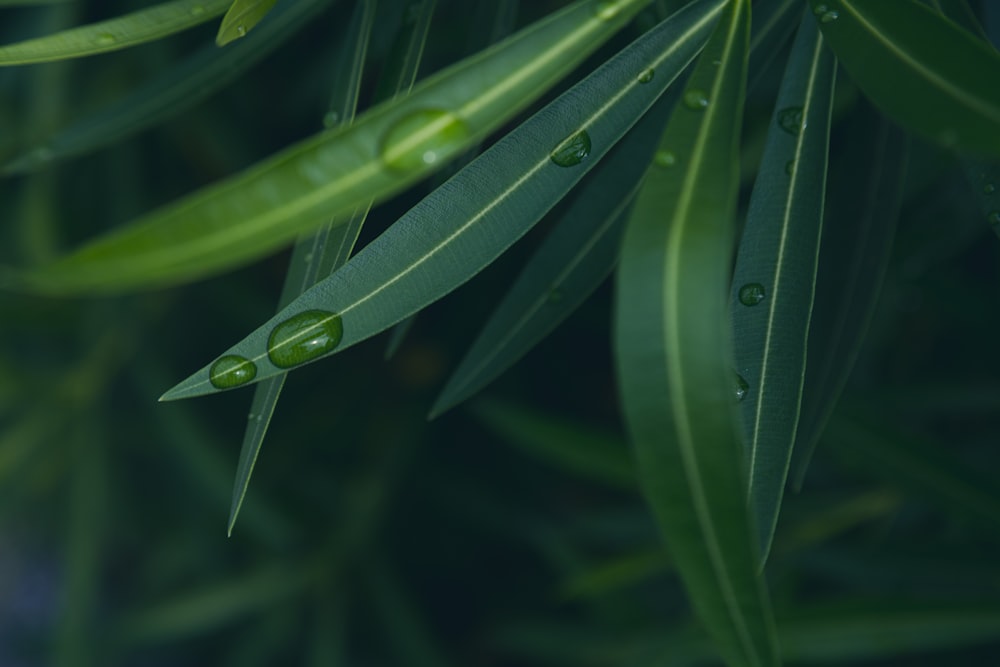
(304, 337)
(646, 75)
(741, 386)
(422, 138)
(241, 30)
(829, 17)
(231, 371)
(664, 159)
(607, 9)
(571, 151)
(330, 119)
(104, 39)
(696, 99)
(790, 120)
(751, 294)
(994, 218)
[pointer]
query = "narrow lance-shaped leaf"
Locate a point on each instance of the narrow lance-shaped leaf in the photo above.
(467, 222)
(329, 175)
(241, 18)
(673, 352)
(919, 68)
(179, 87)
(122, 32)
(773, 285)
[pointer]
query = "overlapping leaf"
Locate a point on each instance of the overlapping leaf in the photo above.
(773, 285)
(327, 176)
(467, 222)
(673, 352)
(241, 18)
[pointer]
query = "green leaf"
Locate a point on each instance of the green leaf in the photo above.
(467, 222)
(138, 27)
(329, 175)
(673, 352)
(865, 192)
(178, 88)
(773, 284)
(241, 18)
(919, 68)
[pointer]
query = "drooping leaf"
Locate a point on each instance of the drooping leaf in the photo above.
(122, 32)
(466, 223)
(673, 352)
(921, 69)
(241, 18)
(771, 299)
(329, 175)
(178, 88)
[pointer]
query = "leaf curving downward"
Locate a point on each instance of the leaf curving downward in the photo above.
(673, 352)
(467, 222)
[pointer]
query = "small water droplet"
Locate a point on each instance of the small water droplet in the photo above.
(556, 294)
(423, 138)
(790, 167)
(241, 30)
(741, 386)
(645, 76)
(330, 119)
(607, 9)
(571, 151)
(696, 99)
(820, 9)
(105, 39)
(231, 371)
(829, 17)
(790, 120)
(664, 159)
(308, 258)
(989, 189)
(197, 10)
(751, 294)
(304, 337)
(994, 218)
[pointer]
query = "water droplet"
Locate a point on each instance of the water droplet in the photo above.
(994, 218)
(989, 189)
(304, 337)
(330, 119)
(741, 386)
(105, 39)
(664, 159)
(820, 9)
(790, 120)
(696, 99)
(308, 258)
(571, 151)
(790, 167)
(645, 76)
(241, 30)
(829, 17)
(197, 10)
(422, 138)
(231, 371)
(751, 294)
(556, 295)
(607, 9)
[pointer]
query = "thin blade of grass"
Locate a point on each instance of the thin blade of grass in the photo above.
(465, 224)
(673, 352)
(114, 34)
(773, 285)
(329, 175)
(242, 17)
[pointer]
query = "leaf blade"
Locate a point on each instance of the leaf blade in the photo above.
(241, 18)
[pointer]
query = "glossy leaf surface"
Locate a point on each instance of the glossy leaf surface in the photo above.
(241, 18)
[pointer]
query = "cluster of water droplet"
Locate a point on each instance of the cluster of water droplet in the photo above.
(826, 13)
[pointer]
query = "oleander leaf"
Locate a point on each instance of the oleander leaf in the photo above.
(241, 18)
(773, 285)
(328, 175)
(466, 223)
(114, 34)
(674, 353)
(922, 70)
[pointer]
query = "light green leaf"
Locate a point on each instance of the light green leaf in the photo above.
(919, 68)
(467, 222)
(862, 209)
(329, 175)
(178, 88)
(119, 33)
(673, 352)
(773, 284)
(241, 18)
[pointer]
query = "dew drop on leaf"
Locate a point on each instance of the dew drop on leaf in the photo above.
(105, 39)
(645, 76)
(330, 119)
(231, 371)
(828, 17)
(741, 386)
(989, 189)
(664, 159)
(571, 151)
(197, 10)
(304, 337)
(790, 120)
(790, 167)
(555, 295)
(994, 218)
(422, 138)
(241, 30)
(607, 9)
(696, 99)
(751, 294)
